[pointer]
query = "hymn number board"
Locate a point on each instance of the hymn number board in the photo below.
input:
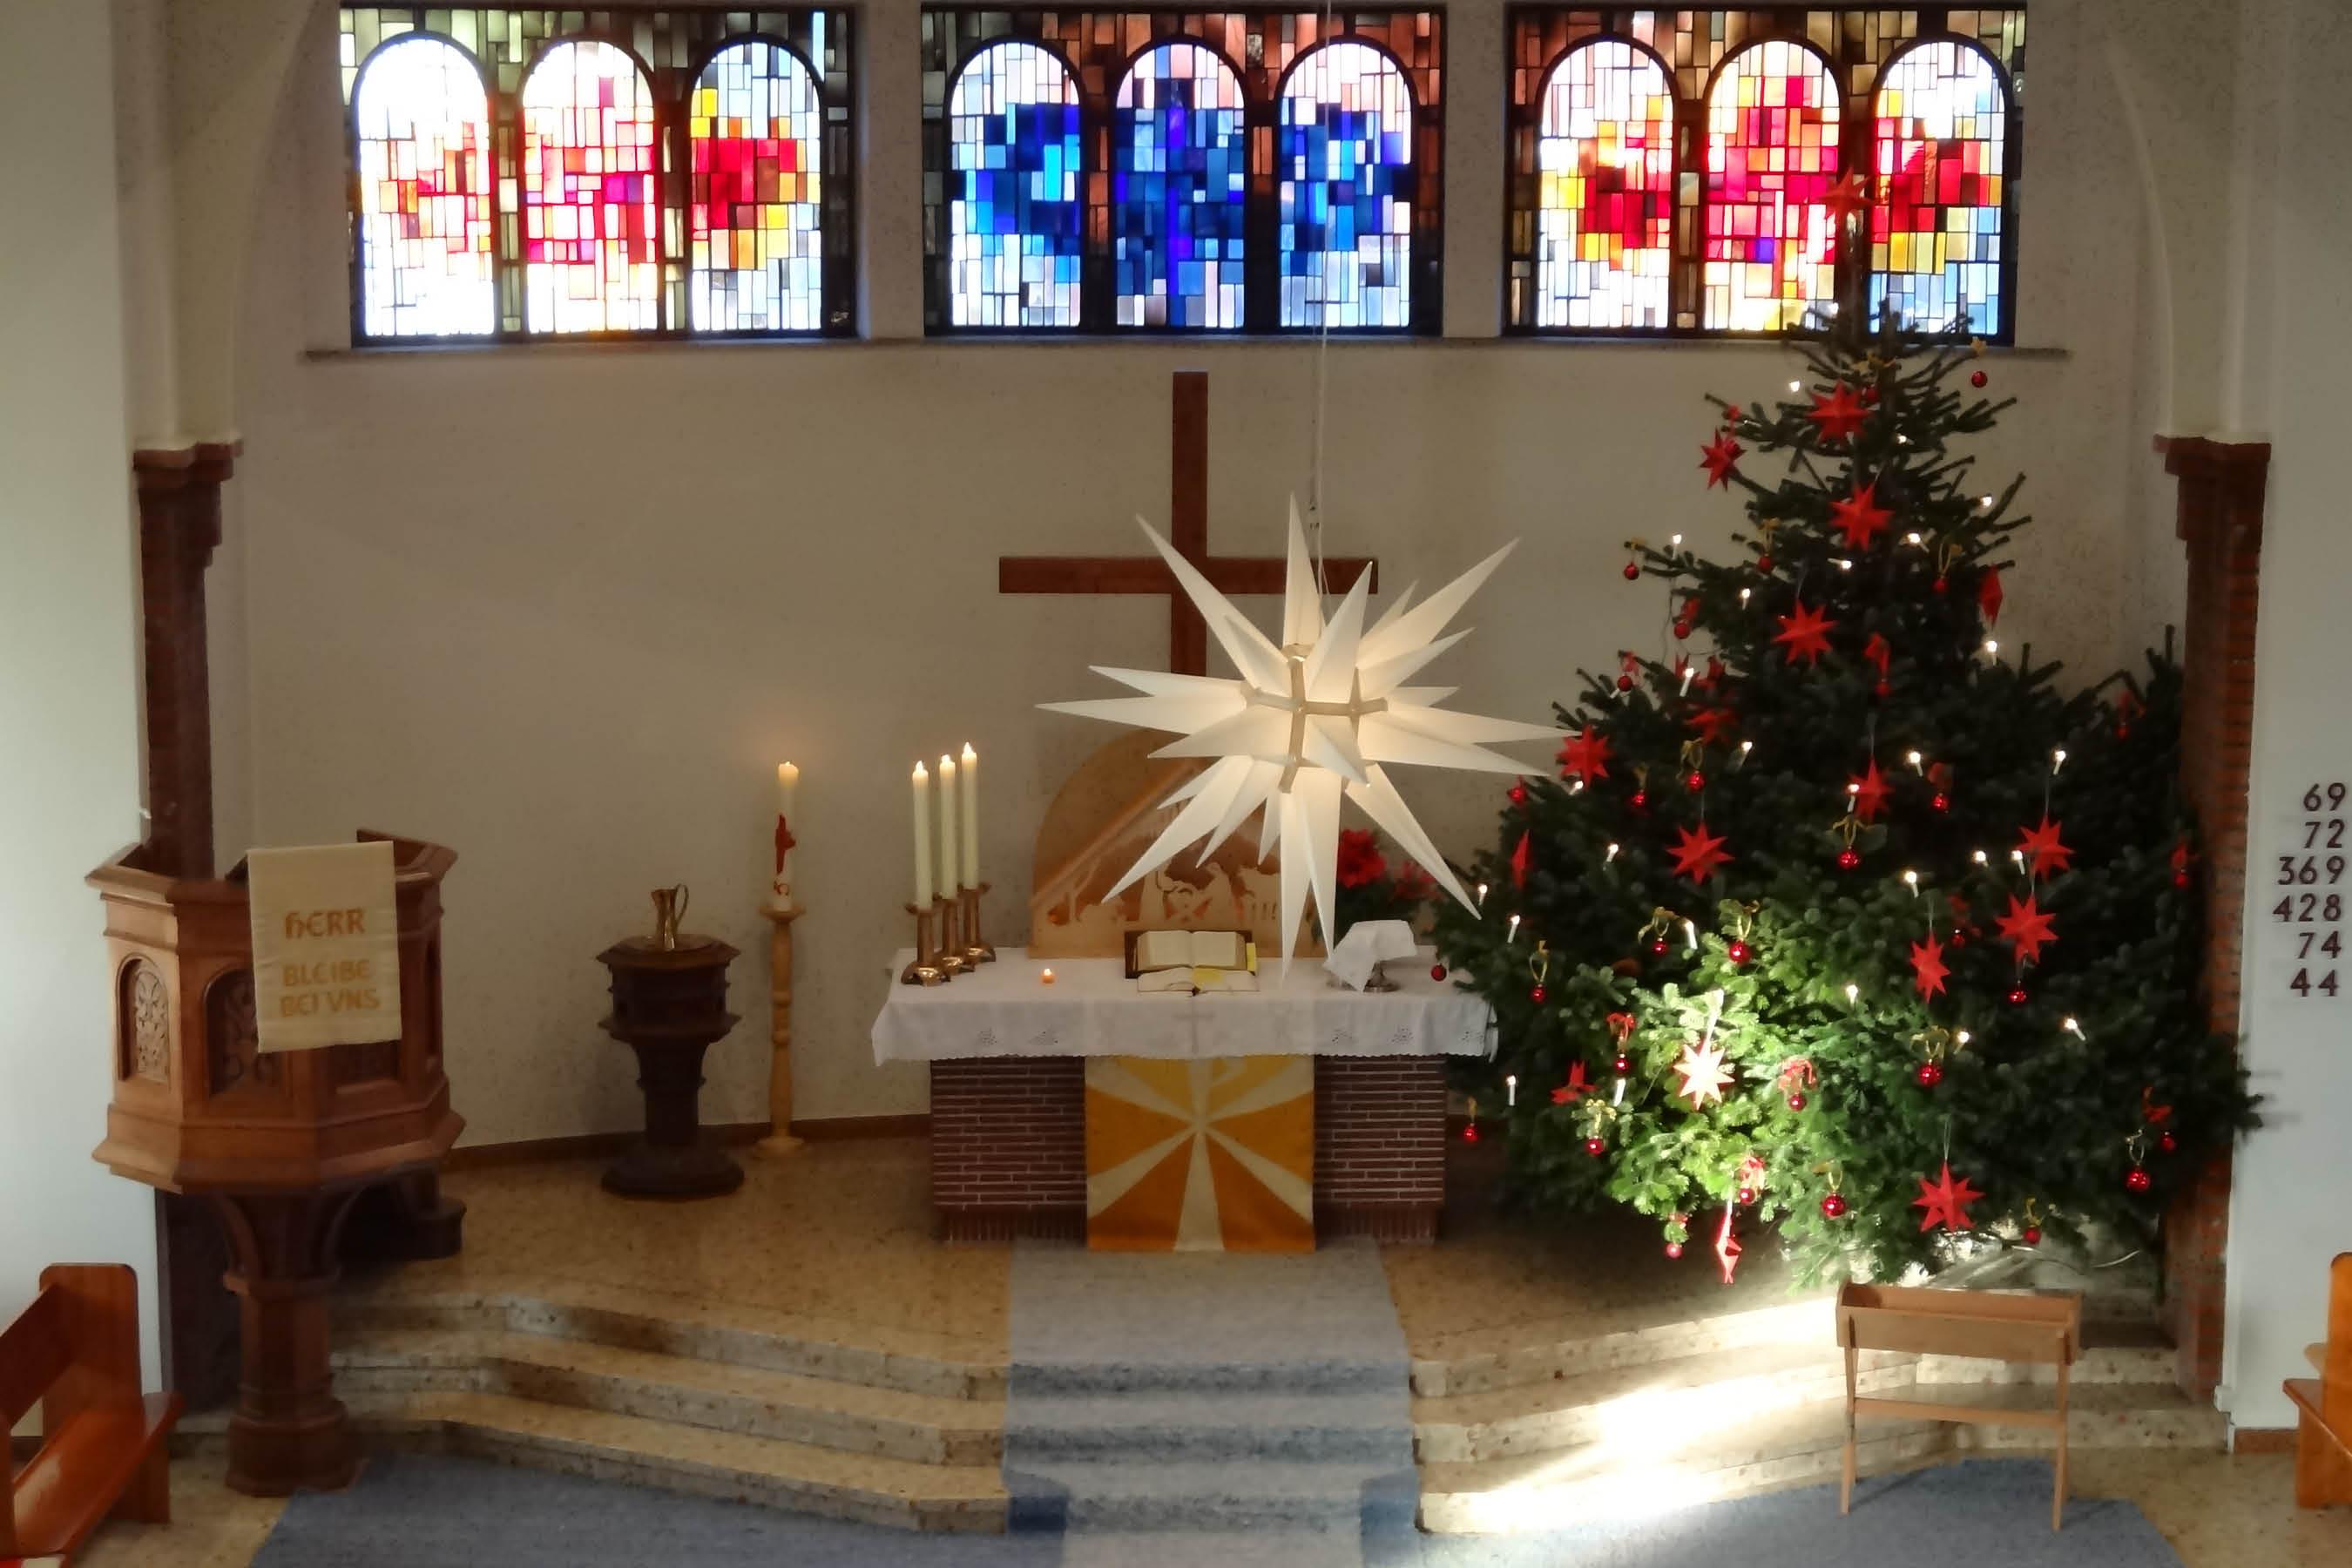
(2307, 881)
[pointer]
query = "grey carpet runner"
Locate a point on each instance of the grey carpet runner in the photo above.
(1236, 1408)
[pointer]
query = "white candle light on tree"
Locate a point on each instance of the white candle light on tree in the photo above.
(923, 838)
(949, 869)
(788, 783)
(968, 775)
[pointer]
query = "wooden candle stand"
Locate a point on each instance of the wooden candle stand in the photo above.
(780, 1140)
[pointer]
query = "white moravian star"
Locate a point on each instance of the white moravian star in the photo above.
(1308, 722)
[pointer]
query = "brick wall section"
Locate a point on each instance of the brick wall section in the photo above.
(1009, 1147)
(2220, 521)
(1379, 1146)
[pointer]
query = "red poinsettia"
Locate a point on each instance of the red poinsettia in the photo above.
(1359, 858)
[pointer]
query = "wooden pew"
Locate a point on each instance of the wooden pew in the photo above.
(2323, 1443)
(2044, 1330)
(75, 1352)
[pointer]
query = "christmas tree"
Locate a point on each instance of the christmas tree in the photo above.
(1841, 914)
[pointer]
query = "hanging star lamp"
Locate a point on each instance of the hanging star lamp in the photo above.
(1308, 723)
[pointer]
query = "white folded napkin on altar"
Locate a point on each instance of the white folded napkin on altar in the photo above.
(1367, 944)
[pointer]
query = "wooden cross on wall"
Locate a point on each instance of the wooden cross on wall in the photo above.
(1188, 530)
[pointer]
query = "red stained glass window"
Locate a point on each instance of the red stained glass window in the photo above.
(591, 209)
(1605, 214)
(421, 120)
(754, 224)
(1772, 157)
(1937, 238)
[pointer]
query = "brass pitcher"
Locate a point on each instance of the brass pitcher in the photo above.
(669, 908)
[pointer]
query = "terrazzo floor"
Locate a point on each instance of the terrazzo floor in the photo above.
(839, 1238)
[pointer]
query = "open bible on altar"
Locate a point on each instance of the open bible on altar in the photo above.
(1193, 960)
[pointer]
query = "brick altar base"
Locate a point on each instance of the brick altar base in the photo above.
(1009, 1148)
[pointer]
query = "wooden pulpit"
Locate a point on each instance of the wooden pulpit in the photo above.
(277, 1145)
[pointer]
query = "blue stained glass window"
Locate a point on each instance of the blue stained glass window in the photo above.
(1178, 178)
(1016, 216)
(1348, 190)
(1936, 227)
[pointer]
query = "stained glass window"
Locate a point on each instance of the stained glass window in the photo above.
(1771, 158)
(1178, 182)
(1016, 218)
(754, 226)
(422, 124)
(1605, 220)
(1346, 156)
(1936, 225)
(591, 217)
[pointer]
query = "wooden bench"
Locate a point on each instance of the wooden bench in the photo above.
(75, 1352)
(2323, 1442)
(2044, 1330)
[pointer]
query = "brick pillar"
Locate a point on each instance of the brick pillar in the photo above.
(2220, 521)
(1009, 1147)
(1380, 1147)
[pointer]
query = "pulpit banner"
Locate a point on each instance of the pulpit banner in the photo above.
(326, 945)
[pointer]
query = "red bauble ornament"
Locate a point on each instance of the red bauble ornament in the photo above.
(1882, 690)
(1437, 972)
(1641, 799)
(1632, 570)
(1697, 781)
(2180, 878)
(2123, 731)
(1657, 947)
(1941, 584)
(1941, 802)
(2137, 1180)
(1848, 859)
(1797, 1100)
(1624, 683)
(2017, 997)
(1747, 1195)
(2167, 1143)
(1960, 938)
(1470, 1133)
(1536, 995)
(1764, 562)
(1681, 628)
(1834, 1207)
(1929, 1075)
(1595, 1147)
(1622, 1065)
(1738, 952)
(2033, 1236)
(1674, 1249)
(1978, 378)
(1519, 794)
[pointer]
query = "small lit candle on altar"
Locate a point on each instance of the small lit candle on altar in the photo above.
(1046, 976)
(947, 866)
(923, 838)
(788, 783)
(967, 772)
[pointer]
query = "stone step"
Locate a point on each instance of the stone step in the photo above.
(751, 1401)
(2100, 1416)
(1807, 1320)
(667, 1326)
(2144, 1357)
(763, 1472)
(1194, 1426)
(1211, 1497)
(1306, 1376)
(1637, 1404)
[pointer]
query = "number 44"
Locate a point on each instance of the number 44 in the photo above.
(2303, 985)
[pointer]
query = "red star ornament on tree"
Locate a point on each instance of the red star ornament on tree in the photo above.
(1710, 724)
(1876, 652)
(1726, 1247)
(2042, 848)
(1946, 1201)
(1697, 854)
(1928, 968)
(2027, 928)
(1838, 412)
(1860, 517)
(1845, 198)
(1989, 595)
(1522, 856)
(1703, 1073)
(1805, 634)
(1720, 459)
(1869, 793)
(1585, 756)
(1714, 675)
(1575, 1089)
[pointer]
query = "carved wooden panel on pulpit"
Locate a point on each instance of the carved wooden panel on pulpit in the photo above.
(233, 1040)
(144, 1018)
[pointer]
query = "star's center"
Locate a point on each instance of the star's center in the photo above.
(1295, 703)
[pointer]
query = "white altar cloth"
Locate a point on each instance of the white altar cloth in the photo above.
(1092, 1009)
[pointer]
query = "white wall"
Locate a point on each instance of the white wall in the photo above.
(2292, 1189)
(68, 692)
(562, 608)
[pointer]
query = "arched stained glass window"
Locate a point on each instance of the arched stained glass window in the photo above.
(1772, 157)
(1605, 172)
(1179, 175)
(425, 215)
(755, 231)
(592, 215)
(1346, 152)
(1936, 227)
(1015, 216)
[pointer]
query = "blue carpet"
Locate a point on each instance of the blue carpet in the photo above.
(415, 1511)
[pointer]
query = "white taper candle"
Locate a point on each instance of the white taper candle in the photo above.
(968, 785)
(948, 869)
(923, 838)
